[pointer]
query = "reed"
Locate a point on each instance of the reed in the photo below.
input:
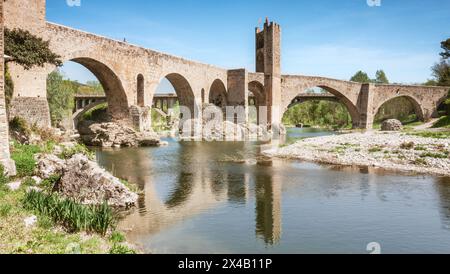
(73, 216)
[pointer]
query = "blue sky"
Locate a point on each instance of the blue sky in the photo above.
(333, 38)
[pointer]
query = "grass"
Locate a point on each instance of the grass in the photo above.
(69, 214)
(435, 155)
(23, 155)
(444, 122)
(375, 149)
(69, 152)
(407, 146)
(432, 134)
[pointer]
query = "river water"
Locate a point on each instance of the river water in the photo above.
(213, 197)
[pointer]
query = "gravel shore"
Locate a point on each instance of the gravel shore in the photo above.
(393, 151)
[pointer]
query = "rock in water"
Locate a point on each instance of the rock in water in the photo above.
(391, 125)
(84, 181)
(115, 135)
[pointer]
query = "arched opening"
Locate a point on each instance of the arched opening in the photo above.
(403, 108)
(218, 94)
(140, 91)
(256, 99)
(82, 82)
(318, 107)
(173, 93)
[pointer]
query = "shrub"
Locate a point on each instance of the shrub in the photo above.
(20, 125)
(73, 216)
(117, 237)
(121, 249)
(69, 152)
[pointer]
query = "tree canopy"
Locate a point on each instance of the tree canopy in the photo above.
(361, 77)
(60, 95)
(445, 45)
(381, 78)
(29, 50)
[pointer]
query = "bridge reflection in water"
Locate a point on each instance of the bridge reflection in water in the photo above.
(201, 197)
(193, 179)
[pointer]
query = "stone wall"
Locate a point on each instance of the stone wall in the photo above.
(34, 109)
(5, 158)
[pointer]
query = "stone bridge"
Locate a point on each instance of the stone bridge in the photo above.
(130, 75)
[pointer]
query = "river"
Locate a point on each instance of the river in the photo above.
(213, 197)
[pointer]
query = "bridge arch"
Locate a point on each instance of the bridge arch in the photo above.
(112, 85)
(340, 97)
(77, 116)
(258, 99)
(218, 94)
(418, 110)
(185, 93)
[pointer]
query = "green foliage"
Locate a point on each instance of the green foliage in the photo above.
(445, 45)
(29, 50)
(71, 215)
(95, 113)
(444, 122)
(381, 78)
(4, 179)
(20, 125)
(23, 155)
(318, 113)
(91, 88)
(69, 152)
(119, 249)
(60, 94)
(361, 77)
(434, 155)
(441, 71)
(432, 134)
(117, 237)
(9, 87)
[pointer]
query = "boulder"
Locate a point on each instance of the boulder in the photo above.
(115, 135)
(84, 181)
(48, 165)
(391, 125)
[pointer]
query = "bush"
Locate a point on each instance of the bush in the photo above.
(121, 249)
(4, 179)
(69, 152)
(73, 216)
(20, 125)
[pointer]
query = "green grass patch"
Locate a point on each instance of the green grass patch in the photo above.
(432, 134)
(435, 155)
(69, 152)
(71, 215)
(444, 122)
(121, 249)
(375, 149)
(23, 155)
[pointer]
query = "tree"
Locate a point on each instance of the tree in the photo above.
(381, 78)
(361, 77)
(445, 45)
(29, 50)
(60, 94)
(441, 71)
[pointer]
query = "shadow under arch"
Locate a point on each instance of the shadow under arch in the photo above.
(258, 99)
(340, 98)
(115, 93)
(218, 94)
(415, 103)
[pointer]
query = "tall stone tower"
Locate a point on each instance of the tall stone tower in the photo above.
(29, 99)
(268, 61)
(5, 158)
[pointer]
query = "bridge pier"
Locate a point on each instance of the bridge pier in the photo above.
(5, 156)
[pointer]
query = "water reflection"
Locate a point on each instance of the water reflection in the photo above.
(221, 197)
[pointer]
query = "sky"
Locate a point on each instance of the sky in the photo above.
(331, 38)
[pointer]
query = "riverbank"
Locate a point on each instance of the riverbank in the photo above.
(421, 152)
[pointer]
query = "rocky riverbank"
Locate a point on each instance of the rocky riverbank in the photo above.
(388, 150)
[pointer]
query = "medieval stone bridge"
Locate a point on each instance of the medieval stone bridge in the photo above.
(130, 75)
